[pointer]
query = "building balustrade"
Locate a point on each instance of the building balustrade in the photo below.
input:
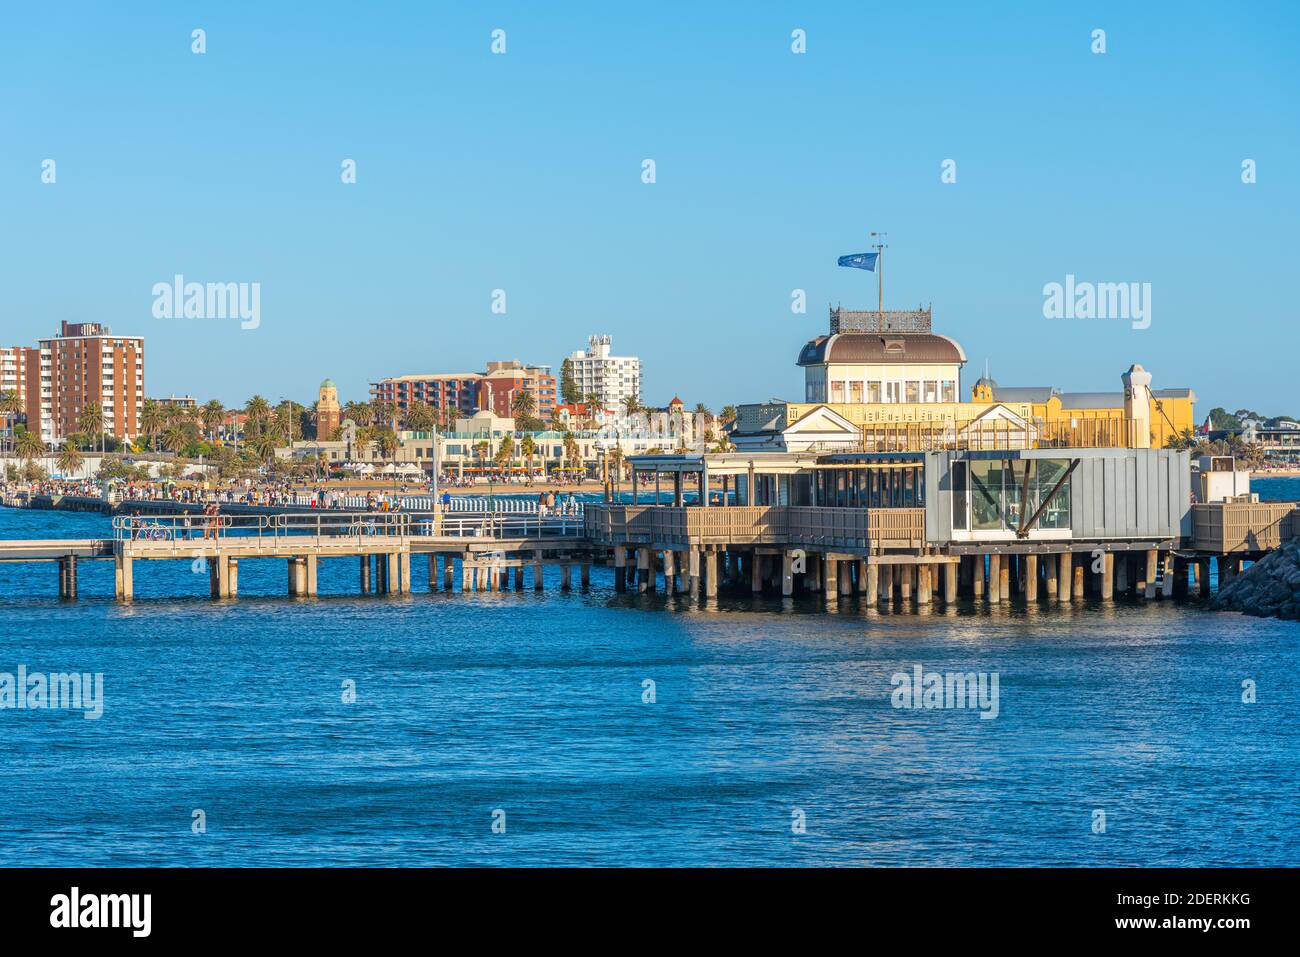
(783, 525)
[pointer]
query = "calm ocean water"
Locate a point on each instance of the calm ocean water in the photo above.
(532, 704)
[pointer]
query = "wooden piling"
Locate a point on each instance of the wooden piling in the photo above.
(924, 585)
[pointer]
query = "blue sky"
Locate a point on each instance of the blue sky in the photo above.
(523, 172)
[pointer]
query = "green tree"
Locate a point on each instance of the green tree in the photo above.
(420, 417)
(523, 405)
(28, 446)
(386, 439)
(153, 419)
(258, 411)
(505, 452)
(213, 414)
(264, 444)
(572, 454)
(69, 460)
(615, 460)
(384, 413)
(11, 406)
(569, 391)
(528, 448)
(728, 414)
(1222, 419)
(91, 421)
(178, 437)
(632, 405)
(359, 412)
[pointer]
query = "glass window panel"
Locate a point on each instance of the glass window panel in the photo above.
(986, 495)
(960, 496)
(1057, 513)
(913, 391)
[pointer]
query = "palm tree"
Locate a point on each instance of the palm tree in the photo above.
(153, 419)
(91, 421)
(481, 452)
(264, 444)
(528, 448)
(505, 452)
(728, 415)
(420, 417)
(178, 436)
(383, 412)
(615, 459)
(387, 441)
(523, 406)
(632, 405)
(359, 412)
(177, 414)
(29, 446)
(572, 454)
(11, 406)
(258, 411)
(213, 414)
(286, 417)
(69, 460)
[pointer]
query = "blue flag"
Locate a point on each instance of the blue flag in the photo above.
(859, 261)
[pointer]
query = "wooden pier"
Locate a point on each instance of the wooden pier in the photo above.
(386, 547)
(883, 556)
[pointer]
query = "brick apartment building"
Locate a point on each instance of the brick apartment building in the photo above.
(465, 392)
(19, 374)
(84, 363)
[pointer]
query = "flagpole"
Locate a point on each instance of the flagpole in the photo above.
(880, 276)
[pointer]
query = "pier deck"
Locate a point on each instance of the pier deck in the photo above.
(879, 554)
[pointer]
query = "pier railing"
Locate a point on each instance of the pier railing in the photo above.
(1227, 527)
(190, 527)
(331, 524)
(756, 525)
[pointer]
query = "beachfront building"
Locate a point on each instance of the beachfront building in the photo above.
(86, 363)
(910, 383)
(874, 358)
(502, 383)
(611, 379)
(463, 393)
(453, 393)
(19, 377)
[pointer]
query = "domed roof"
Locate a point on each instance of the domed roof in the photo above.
(873, 348)
(328, 384)
(985, 380)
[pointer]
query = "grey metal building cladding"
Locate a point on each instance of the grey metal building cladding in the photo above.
(1114, 493)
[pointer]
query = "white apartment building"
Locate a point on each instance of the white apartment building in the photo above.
(610, 378)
